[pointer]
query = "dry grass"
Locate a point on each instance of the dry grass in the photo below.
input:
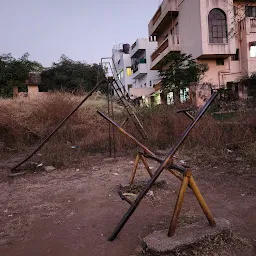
(27, 122)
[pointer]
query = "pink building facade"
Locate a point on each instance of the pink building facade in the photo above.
(221, 33)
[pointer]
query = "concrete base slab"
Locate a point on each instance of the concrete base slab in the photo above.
(158, 243)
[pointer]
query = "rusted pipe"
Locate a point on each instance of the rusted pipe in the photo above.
(126, 133)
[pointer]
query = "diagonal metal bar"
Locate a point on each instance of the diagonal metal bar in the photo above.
(126, 133)
(160, 169)
(59, 126)
(185, 112)
(147, 153)
(129, 109)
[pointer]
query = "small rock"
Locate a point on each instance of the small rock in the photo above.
(49, 168)
(239, 159)
(150, 193)
(40, 165)
(115, 173)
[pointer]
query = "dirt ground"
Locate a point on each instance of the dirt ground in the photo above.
(72, 211)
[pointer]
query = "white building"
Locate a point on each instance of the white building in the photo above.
(122, 66)
(132, 67)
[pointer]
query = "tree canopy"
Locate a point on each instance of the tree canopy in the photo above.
(178, 70)
(66, 75)
(71, 76)
(14, 72)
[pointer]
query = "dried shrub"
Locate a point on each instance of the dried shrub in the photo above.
(28, 121)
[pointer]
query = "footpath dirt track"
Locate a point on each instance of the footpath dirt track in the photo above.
(72, 211)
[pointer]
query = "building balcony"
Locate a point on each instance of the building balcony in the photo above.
(140, 69)
(170, 44)
(138, 47)
(167, 11)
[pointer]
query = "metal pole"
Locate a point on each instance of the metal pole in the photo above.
(109, 126)
(160, 169)
(58, 126)
(126, 133)
(148, 153)
(178, 204)
(112, 127)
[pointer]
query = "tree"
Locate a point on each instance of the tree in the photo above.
(71, 76)
(178, 70)
(14, 72)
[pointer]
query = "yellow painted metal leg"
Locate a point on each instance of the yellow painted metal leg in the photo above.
(146, 165)
(179, 203)
(137, 159)
(201, 201)
(176, 174)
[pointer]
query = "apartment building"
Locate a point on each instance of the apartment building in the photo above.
(132, 67)
(221, 33)
(143, 77)
(122, 66)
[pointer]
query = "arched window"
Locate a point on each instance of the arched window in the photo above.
(218, 31)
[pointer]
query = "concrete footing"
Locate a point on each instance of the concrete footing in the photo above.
(158, 243)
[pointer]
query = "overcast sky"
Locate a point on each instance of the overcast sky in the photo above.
(81, 29)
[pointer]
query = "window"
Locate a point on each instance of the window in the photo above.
(129, 71)
(219, 62)
(177, 29)
(250, 11)
(217, 22)
(252, 47)
(121, 74)
(236, 56)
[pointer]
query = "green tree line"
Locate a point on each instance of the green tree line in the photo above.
(66, 75)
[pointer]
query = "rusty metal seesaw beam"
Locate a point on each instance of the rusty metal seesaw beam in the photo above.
(147, 153)
(160, 169)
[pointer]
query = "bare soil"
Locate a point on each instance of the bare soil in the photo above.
(73, 210)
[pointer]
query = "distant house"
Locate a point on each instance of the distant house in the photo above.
(32, 84)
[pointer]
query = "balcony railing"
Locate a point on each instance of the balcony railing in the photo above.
(160, 49)
(135, 65)
(168, 10)
(157, 15)
(171, 41)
